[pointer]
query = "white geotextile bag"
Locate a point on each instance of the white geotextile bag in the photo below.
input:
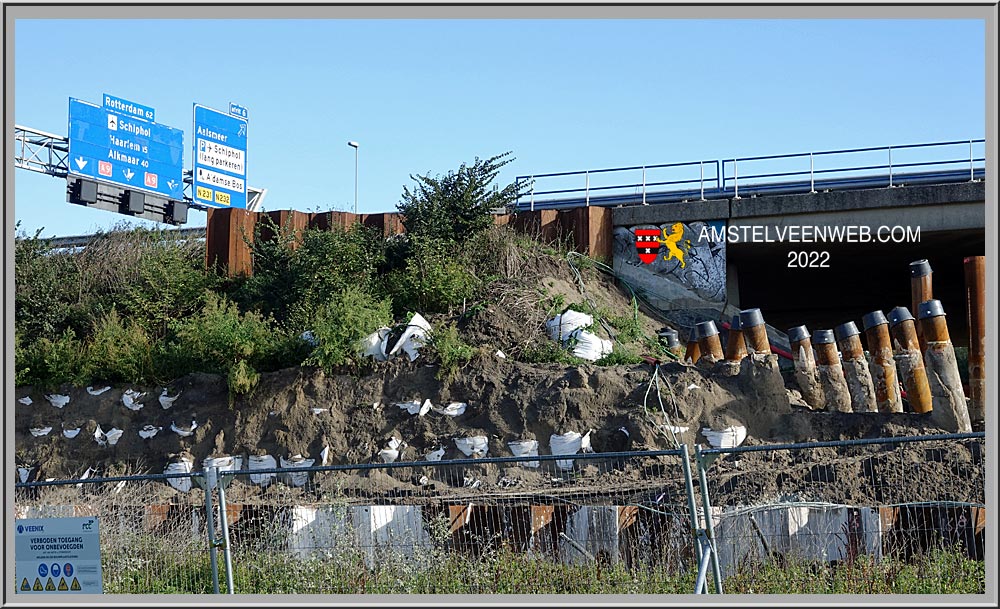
(295, 478)
(590, 346)
(562, 326)
(182, 465)
(256, 462)
(473, 446)
(525, 448)
(730, 437)
(568, 443)
(414, 337)
(374, 344)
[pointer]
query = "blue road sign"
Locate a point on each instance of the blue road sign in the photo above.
(220, 158)
(111, 144)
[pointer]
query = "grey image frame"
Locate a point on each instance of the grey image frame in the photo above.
(986, 12)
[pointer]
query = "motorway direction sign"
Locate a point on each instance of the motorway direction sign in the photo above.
(112, 144)
(220, 158)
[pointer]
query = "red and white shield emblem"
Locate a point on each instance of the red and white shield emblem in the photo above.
(647, 244)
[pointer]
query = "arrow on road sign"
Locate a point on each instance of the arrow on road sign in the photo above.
(128, 174)
(81, 162)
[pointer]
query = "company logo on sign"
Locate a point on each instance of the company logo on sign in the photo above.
(20, 529)
(31, 528)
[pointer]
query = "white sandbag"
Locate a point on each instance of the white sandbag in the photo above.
(131, 399)
(71, 433)
(435, 455)
(730, 437)
(568, 443)
(214, 466)
(416, 407)
(113, 435)
(26, 400)
(184, 432)
(374, 344)
(590, 346)
(473, 446)
(562, 326)
(179, 466)
(295, 478)
(453, 409)
(262, 462)
(414, 337)
(148, 431)
(57, 400)
(167, 401)
(93, 391)
(40, 431)
(23, 473)
(324, 456)
(525, 448)
(585, 442)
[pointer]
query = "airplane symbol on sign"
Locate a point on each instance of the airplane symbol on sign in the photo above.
(128, 174)
(243, 129)
(172, 184)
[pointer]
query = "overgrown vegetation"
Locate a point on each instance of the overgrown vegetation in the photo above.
(139, 306)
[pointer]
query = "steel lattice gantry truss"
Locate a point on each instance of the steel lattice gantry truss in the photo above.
(47, 153)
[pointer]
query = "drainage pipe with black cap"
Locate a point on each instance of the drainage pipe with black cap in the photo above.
(921, 290)
(805, 367)
(831, 374)
(881, 365)
(736, 347)
(708, 340)
(859, 378)
(909, 361)
(975, 288)
(950, 411)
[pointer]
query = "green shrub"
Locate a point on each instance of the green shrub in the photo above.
(433, 281)
(44, 302)
(619, 356)
(546, 351)
(451, 350)
(49, 363)
(291, 283)
(222, 340)
(119, 350)
(340, 324)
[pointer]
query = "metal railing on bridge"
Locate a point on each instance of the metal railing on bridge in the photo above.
(806, 172)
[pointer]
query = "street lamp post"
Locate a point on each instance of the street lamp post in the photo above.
(355, 146)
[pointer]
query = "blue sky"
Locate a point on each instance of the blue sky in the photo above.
(426, 95)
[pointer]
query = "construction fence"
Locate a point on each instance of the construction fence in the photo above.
(678, 520)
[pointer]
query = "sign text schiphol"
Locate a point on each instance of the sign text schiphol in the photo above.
(120, 144)
(220, 157)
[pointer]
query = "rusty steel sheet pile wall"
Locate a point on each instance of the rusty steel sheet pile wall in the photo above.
(230, 232)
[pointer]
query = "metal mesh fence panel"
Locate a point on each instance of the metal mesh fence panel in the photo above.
(866, 516)
(152, 538)
(473, 526)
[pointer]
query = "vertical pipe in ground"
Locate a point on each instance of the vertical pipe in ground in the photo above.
(831, 374)
(909, 361)
(805, 367)
(859, 378)
(752, 324)
(920, 291)
(671, 342)
(950, 411)
(693, 351)
(736, 347)
(882, 365)
(975, 290)
(708, 340)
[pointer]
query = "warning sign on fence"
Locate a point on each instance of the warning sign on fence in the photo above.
(51, 550)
